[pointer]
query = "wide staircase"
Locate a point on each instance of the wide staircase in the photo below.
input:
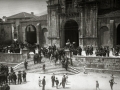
(50, 68)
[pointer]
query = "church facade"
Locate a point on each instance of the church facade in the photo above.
(86, 22)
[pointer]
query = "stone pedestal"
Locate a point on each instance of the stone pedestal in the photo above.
(25, 53)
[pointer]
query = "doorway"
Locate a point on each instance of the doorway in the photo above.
(31, 37)
(71, 32)
(118, 35)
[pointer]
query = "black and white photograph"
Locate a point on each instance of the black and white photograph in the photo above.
(59, 44)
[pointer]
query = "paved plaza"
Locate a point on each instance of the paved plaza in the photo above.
(75, 82)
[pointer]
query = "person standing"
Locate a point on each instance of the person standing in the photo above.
(57, 82)
(63, 81)
(43, 83)
(25, 64)
(97, 85)
(19, 77)
(24, 76)
(39, 82)
(112, 83)
(84, 69)
(14, 77)
(11, 70)
(44, 68)
(53, 79)
(66, 64)
(108, 51)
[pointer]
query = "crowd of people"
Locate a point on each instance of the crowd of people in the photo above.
(54, 54)
(54, 81)
(8, 76)
(15, 47)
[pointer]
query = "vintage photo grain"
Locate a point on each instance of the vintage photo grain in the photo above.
(59, 44)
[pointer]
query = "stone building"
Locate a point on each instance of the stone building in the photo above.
(24, 27)
(86, 22)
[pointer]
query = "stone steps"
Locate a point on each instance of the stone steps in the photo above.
(50, 68)
(47, 68)
(31, 65)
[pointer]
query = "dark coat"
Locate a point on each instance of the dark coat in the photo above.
(53, 78)
(43, 82)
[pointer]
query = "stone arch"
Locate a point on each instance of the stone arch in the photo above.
(31, 34)
(65, 34)
(104, 36)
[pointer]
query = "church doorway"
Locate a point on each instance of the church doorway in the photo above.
(118, 35)
(31, 36)
(71, 32)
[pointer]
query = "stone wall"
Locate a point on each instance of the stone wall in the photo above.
(110, 35)
(106, 63)
(13, 57)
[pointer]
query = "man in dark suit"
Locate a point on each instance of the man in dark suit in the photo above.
(14, 77)
(25, 64)
(19, 77)
(43, 83)
(53, 79)
(63, 81)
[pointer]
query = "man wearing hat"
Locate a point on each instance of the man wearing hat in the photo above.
(53, 79)
(19, 77)
(63, 81)
(43, 83)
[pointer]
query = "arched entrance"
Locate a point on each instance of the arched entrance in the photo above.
(71, 32)
(118, 35)
(31, 36)
(105, 36)
(43, 36)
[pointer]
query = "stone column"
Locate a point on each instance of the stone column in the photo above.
(49, 27)
(38, 32)
(94, 9)
(81, 29)
(112, 29)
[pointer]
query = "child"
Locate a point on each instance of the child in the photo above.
(97, 85)
(39, 82)
(57, 82)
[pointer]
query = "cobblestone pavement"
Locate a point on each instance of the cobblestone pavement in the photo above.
(75, 82)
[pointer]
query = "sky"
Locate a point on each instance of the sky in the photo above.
(11, 7)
